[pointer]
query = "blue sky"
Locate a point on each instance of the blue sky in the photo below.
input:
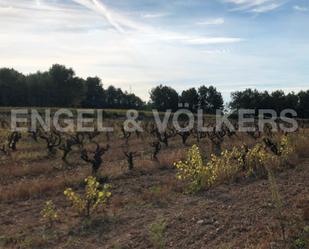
(135, 44)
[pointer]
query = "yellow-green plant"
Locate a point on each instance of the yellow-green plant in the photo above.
(92, 199)
(285, 148)
(224, 167)
(252, 161)
(50, 213)
(218, 169)
(192, 169)
(257, 159)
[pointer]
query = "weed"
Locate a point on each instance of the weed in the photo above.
(302, 241)
(50, 213)
(157, 233)
(218, 169)
(256, 160)
(192, 169)
(92, 199)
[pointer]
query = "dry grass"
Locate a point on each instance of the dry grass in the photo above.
(29, 174)
(29, 189)
(167, 159)
(157, 195)
(301, 145)
(22, 170)
(28, 156)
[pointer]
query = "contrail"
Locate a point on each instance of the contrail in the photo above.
(119, 22)
(101, 9)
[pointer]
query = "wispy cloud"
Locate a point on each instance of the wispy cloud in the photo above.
(101, 9)
(155, 15)
(266, 8)
(256, 6)
(131, 43)
(215, 21)
(126, 25)
(301, 8)
(215, 51)
(214, 40)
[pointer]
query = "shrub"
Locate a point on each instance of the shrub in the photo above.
(218, 169)
(256, 160)
(224, 167)
(192, 169)
(286, 149)
(299, 244)
(50, 213)
(92, 199)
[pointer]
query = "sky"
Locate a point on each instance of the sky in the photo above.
(139, 44)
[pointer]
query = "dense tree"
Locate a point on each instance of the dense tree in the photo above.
(164, 98)
(303, 104)
(247, 99)
(59, 87)
(39, 89)
(12, 88)
(132, 101)
(190, 97)
(277, 100)
(210, 99)
(66, 89)
(95, 95)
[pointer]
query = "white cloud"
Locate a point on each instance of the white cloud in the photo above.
(215, 21)
(266, 8)
(301, 8)
(101, 9)
(130, 27)
(213, 40)
(155, 15)
(256, 6)
(215, 51)
(34, 37)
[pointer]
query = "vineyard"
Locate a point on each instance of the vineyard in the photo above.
(154, 189)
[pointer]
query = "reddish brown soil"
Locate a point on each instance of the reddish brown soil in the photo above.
(235, 215)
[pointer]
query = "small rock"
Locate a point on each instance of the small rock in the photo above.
(200, 222)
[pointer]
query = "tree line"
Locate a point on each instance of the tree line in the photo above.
(276, 100)
(60, 87)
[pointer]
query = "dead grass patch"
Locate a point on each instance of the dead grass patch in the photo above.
(168, 159)
(301, 145)
(29, 189)
(21, 170)
(157, 195)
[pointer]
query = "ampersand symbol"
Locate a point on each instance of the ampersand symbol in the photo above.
(131, 125)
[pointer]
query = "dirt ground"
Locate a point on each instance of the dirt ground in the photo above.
(236, 215)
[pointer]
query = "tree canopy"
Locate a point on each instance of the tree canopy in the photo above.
(60, 87)
(164, 98)
(277, 100)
